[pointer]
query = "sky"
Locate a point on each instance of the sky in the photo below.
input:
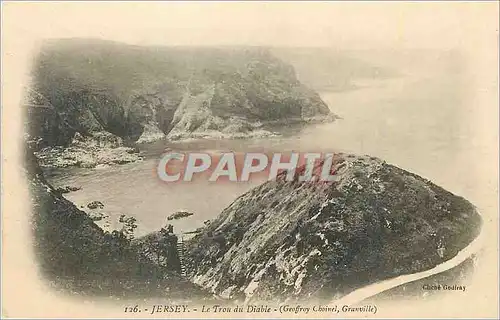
(352, 25)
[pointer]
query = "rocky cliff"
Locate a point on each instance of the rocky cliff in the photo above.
(78, 257)
(142, 94)
(295, 240)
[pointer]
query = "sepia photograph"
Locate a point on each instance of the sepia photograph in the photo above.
(244, 159)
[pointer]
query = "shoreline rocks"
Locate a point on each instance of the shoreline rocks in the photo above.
(100, 148)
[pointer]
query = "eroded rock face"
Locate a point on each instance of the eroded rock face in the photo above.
(300, 240)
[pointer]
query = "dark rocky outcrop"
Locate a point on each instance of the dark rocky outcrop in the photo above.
(76, 256)
(300, 240)
(141, 94)
(160, 248)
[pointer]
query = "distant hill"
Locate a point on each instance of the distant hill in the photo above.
(328, 69)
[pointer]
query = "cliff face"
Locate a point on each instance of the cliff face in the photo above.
(76, 256)
(320, 240)
(146, 93)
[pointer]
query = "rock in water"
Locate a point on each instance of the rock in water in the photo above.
(95, 205)
(179, 215)
(291, 239)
